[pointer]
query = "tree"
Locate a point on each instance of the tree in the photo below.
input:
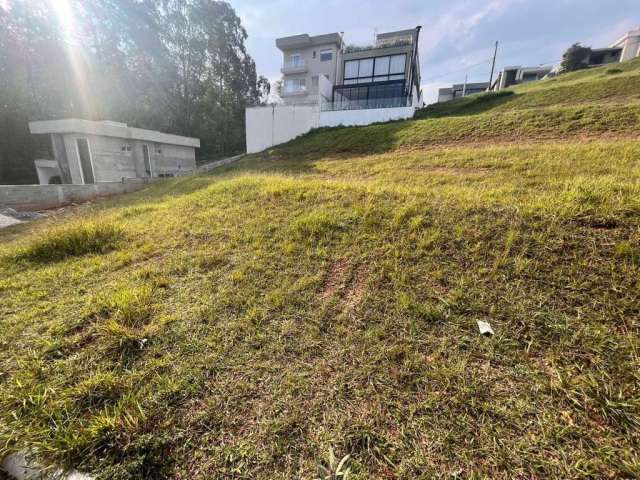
(575, 58)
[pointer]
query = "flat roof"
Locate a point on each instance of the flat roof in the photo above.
(109, 129)
(305, 40)
(397, 33)
(608, 49)
(460, 86)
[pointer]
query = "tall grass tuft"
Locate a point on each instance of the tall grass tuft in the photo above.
(91, 237)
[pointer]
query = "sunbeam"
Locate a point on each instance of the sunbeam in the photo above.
(66, 18)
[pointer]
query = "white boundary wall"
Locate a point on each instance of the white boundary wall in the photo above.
(364, 117)
(276, 124)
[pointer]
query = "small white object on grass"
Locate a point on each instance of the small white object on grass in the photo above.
(485, 328)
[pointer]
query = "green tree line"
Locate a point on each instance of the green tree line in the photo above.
(179, 66)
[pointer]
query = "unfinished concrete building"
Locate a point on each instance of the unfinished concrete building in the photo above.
(86, 152)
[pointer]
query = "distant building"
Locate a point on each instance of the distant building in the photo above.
(630, 45)
(326, 83)
(321, 69)
(86, 152)
(626, 48)
(516, 75)
(459, 90)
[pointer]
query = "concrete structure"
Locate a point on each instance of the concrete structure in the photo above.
(276, 124)
(363, 117)
(328, 84)
(630, 45)
(87, 152)
(604, 56)
(625, 48)
(516, 75)
(459, 90)
(42, 197)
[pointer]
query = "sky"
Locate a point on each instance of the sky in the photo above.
(458, 36)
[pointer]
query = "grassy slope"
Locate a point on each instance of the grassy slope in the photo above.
(324, 295)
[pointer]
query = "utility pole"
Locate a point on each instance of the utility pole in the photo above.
(493, 66)
(464, 88)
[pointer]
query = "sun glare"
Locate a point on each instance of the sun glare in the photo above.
(64, 15)
(66, 19)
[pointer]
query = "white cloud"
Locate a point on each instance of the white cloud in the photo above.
(460, 20)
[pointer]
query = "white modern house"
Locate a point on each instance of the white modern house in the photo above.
(630, 45)
(327, 83)
(90, 152)
(625, 48)
(516, 75)
(459, 90)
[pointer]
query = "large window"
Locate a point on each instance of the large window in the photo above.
(293, 85)
(294, 60)
(382, 95)
(379, 69)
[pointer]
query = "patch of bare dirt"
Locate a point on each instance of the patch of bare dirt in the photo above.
(334, 281)
(357, 288)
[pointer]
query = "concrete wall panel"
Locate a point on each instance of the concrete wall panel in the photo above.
(273, 125)
(41, 197)
(364, 117)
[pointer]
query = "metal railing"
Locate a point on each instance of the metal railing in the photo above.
(365, 104)
(292, 64)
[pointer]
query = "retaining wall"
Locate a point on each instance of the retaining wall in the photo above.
(41, 197)
(349, 118)
(277, 124)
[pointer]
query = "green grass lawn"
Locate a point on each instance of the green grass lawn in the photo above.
(323, 296)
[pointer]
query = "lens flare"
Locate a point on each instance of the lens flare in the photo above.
(66, 19)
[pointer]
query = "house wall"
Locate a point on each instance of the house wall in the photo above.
(112, 164)
(173, 160)
(314, 67)
(630, 45)
(445, 95)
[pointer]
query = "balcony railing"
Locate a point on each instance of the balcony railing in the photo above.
(292, 66)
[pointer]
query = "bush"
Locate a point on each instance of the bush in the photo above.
(73, 241)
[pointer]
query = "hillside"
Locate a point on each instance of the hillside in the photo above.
(323, 296)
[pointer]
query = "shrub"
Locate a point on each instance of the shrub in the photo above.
(73, 241)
